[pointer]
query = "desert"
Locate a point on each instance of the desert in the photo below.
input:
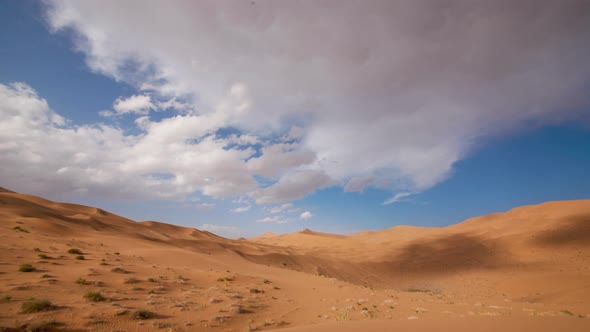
(527, 269)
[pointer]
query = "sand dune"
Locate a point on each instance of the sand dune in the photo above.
(523, 270)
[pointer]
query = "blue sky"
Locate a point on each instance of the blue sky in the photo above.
(174, 123)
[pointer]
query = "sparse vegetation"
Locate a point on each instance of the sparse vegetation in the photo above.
(142, 314)
(80, 257)
(36, 250)
(94, 296)
(567, 312)
(34, 305)
(117, 253)
(418, 290)
(131, 280)
(5, 298)
(119, 270)
(256, 291)
(225, 279)
(82, 281)
(20, 229)
(26, 268)
(152, 280)
(43, 256)
(342, 316)
(74, 251)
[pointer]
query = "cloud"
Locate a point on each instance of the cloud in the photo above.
(136, 104)
(306, 215)
(281, 208)
(412, 89)
(205, 206)
(292, 186)
(397, 198)
(225, 231)
(276, 220)
(241, 209)
(358, 184)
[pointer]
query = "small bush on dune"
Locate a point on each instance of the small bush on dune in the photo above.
(142, 314)
(26, 268)
(74, 251)
(80, 257)
(36, 306)
(81, 281)
(94, 296)
(43, 256)
(131, 280)
(36, 250)
(20, 229)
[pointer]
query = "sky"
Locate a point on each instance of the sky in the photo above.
(242, 117)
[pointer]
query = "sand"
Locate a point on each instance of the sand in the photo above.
(524, 270)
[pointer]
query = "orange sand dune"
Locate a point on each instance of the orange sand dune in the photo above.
(523, 270)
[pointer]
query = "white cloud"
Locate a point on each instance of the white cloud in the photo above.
(136, 104)
(281, 208)
(306, 215)
(292, 186)
(205, 206)
(276, 220)
(358, 184)
(399, 197)
(279, 157)
(225, 231)
(399, 99)
(241, 209)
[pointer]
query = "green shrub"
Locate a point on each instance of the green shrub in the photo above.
(74, 251)
(36, 306)
(20, 229)
(81, 281)
(80, 257)
(94, 296)
(131, 280)
(142, 314)
(26, 268)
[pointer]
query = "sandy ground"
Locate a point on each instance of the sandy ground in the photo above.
(524, 270)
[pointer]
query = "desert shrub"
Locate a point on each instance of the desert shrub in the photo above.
(20, 229)
(5, 298)
(36, 306)
(26, 268)
(81, 281)
(94, 296)
(256, 291)
(131, 280)
(266, 281)
(80, 257)
(152, 280)
(119, 270)
(142, 314)
(74, 251)
(36, 250)
(43, 256)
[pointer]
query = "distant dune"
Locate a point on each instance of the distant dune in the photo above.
(524, 270)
